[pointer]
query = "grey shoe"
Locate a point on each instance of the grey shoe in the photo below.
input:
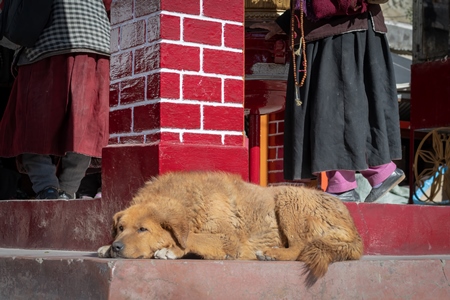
(349, 196)
(394, 179)
(65, 196)
(49, 192)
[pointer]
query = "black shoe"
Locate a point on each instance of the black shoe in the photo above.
(349, 196)
(65, 196)
(49, 192)
(394, 179)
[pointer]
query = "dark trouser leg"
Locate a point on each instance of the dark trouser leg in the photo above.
(73, 169)
(41, 170)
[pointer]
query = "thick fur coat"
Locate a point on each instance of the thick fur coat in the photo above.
(217, 215)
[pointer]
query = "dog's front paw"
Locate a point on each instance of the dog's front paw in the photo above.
(262, 256)
(165, 253)
(229, 257)
(104, 251)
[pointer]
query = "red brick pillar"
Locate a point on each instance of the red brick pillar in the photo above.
(176, 91)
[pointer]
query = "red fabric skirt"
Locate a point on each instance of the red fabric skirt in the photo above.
(58, 104)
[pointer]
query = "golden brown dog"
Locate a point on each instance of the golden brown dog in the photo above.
(217, 215)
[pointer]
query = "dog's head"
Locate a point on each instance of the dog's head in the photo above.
(142, 229)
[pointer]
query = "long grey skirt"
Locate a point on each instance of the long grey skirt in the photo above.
(348, 119)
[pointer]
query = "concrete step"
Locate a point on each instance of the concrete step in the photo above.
(50, 274)
(56, 224)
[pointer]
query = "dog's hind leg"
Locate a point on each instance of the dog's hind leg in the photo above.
(294, 232)
(293, 236)
(278, 254)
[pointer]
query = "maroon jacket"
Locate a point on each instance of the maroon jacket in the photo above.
(315, 30)
(320, 9)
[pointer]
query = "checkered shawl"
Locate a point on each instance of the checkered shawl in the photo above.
(75, 24)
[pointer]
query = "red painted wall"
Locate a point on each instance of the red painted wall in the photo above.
(177, 72)
(177, 91)
(275, 148)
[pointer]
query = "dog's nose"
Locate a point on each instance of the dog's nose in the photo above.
(117, 246)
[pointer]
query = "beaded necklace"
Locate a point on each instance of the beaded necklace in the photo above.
(300, 51)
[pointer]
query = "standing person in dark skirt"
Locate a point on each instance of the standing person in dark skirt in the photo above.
(341, 103)
(59, 103)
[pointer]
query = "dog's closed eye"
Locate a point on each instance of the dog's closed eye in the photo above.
(142, 229)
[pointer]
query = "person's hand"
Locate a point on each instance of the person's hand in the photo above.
(271, 26)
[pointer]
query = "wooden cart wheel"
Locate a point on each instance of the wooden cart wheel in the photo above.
(436, 160)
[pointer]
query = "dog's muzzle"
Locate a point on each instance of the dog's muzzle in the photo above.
(117, 247)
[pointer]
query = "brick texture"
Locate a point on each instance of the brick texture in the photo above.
(146, 117)
(121, 11)
(132, 90)
(114, 91)
(229, 10)
(223, 118)
(275, 148)
(223, 62)
(180, 116)
(177, 72)
(152, 138)
(170, 137)
(147, 59)
(132, 35)
(115, 35)
(153, 86)
(196, 138)
(171, 27)
(145, 7)
(234, 36)
(234, 91)
(201, 31)
(153, 28)
(236, 140)
(120, 121)
(139, 139)
(202, 88)
(113, 141)
(170, 85)
(121, 65)
(191, 7)
(180, 57)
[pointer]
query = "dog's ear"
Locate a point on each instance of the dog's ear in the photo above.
(116, 219)
(173, 217)
(180, 231)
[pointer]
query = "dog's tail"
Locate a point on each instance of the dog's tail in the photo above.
(321, 252)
